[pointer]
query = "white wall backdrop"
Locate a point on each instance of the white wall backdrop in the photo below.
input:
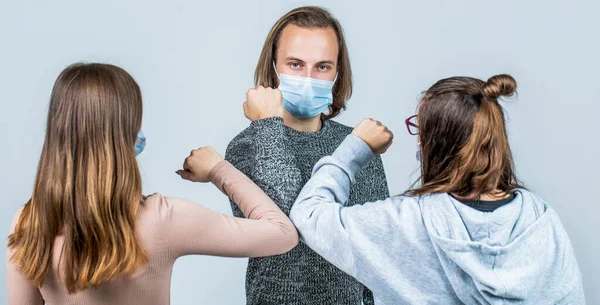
(195, 60)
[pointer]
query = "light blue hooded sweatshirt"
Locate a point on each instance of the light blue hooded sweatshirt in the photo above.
(434, 249)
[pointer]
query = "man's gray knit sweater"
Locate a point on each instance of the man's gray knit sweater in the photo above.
(280, 160)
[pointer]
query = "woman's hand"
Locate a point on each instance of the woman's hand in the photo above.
(197, 166)
(376, 135)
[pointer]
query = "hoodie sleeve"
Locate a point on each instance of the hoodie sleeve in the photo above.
(338, 233)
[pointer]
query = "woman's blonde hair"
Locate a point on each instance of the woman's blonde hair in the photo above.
(88, 186)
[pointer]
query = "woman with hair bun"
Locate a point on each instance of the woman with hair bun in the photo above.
(469, 233)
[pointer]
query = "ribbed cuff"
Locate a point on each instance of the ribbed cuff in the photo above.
(268, 122)
(218, 172)
(354, 153)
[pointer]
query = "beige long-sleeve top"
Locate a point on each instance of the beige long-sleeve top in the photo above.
(169, 228)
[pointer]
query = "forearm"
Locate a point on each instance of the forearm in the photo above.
(263, 154)
(252, 202)
(325, 225)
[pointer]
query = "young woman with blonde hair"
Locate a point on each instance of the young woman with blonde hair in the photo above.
(88, 236)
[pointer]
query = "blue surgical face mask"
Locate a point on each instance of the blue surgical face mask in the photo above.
(140, 143)
(418, 151)
(305, 97)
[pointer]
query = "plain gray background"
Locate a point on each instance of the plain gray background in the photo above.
(194, 61)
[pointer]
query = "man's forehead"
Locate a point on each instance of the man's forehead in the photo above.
(308, 45)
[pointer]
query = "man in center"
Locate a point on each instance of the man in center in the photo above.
(305, 56)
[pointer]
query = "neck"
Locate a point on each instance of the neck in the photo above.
(496, 195)
(302, 125)
(493, 196)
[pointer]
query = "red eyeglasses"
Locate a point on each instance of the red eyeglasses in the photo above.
(411, 125)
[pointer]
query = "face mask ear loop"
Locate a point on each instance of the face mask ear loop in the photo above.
(275, 67)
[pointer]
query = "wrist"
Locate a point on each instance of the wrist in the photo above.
(274, 114)
(354, 153)
(214, 172)
(358, 135)
(268, 117)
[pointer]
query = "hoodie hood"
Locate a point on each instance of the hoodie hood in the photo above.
(506, 256)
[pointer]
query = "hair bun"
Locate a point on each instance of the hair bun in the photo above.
(499, 85)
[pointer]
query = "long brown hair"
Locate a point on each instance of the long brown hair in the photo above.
(308, 17)
(88, 186)
(464, 145)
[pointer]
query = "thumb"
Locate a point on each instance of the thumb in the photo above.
(186, 175)
(246, 114)
(387, 147)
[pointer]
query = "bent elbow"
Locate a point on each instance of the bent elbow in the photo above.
(293, 240)
(303, 215)
(290, 238)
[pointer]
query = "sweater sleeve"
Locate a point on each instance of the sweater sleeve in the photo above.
(263, 155)
(324, 224)
(188, 228)
(19, 289)
(377, 183)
